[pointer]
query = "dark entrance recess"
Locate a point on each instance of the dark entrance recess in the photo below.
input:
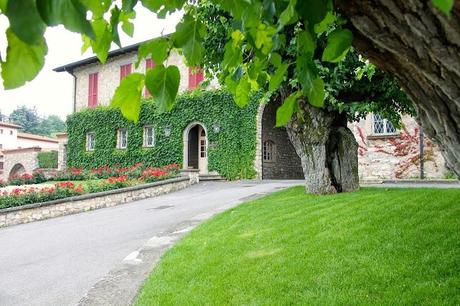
(193, 147)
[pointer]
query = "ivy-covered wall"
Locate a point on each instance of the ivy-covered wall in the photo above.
(231, 151)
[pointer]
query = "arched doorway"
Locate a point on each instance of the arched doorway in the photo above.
(17, 170)
(278, 158)
(196, 147)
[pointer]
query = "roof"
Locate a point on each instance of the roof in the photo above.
(37, 137)
(70, 67)
(8, 124)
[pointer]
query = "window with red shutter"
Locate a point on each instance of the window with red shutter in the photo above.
(124, 71)
(195, 77)
(92, 89)
(149, 64)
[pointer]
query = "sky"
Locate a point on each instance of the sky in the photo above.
(52, 92)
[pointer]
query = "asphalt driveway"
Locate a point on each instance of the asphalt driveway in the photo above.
(57, 261)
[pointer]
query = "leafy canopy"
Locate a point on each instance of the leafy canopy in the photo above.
(259, 32)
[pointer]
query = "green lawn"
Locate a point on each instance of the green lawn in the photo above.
(376, 246)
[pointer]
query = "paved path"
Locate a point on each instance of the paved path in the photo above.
(57, 261)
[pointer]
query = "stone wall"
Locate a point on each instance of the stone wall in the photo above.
(286, 163)
(25, 157)
(67, 206)
(395, 156)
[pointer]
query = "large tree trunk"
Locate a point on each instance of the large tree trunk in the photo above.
(419, 45)
(327, 149)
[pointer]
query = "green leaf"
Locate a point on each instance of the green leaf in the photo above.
(128, 96)
(126, 25)
(277, 78)
(128, 5)
(98, 7)
(242, 91)
(444, 5)
(101, 45)
(23, 61)
(25, 21)
(236, 7)
(316, 93)
(163, 84)
(233, 55)
(285, 111)
(114, 19)
(70, 13)
(162, 7)
(289, 15)
(189, 36)
(263, 37)
(3, 5)
(312, 11)
(338, 43)
(158, 49)
(324, 25)
(306, 43)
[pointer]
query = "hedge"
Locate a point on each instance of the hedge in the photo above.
(48, 160)
(231, 151)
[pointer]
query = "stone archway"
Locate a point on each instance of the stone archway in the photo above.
(195, 145)
(18, 169)
(276, 157)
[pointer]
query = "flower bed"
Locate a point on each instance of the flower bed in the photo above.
(122, 177)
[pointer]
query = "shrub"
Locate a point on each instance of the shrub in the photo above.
(48, 160)
(36, 177)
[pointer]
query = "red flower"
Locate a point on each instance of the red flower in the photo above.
(79, 189)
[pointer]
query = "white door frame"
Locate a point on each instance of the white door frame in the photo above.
(203, 168)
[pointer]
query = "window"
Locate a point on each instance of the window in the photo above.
(149, 64)
(1, 131)
(92, 89)
(11, 132)
(195, 77)
(1, 165)
(203, 151)
(149, 140)
(382, 126)
(122, 139)
(124, 71)
(90, 141)
(268, 150)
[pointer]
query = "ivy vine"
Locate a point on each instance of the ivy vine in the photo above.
(231, 151)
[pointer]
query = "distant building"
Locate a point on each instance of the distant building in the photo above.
(18, 151)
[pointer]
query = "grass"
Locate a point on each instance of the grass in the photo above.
(375, 246)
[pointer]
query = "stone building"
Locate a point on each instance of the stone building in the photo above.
(384, 152)
(18, 151)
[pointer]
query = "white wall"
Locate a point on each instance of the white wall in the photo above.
(29, 143)
(8, 137)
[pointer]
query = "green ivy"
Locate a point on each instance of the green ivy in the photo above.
(48, 160)
(231, 152)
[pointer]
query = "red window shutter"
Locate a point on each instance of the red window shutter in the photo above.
(92, 90)
(124, 71)
(149, 64)
(195, 77)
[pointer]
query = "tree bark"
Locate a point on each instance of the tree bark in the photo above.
(420, 46)
(327, 149)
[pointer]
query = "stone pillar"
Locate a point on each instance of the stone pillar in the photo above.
(62, 150)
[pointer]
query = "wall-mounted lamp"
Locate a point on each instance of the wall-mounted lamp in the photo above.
(216, 127)
(168, 130)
